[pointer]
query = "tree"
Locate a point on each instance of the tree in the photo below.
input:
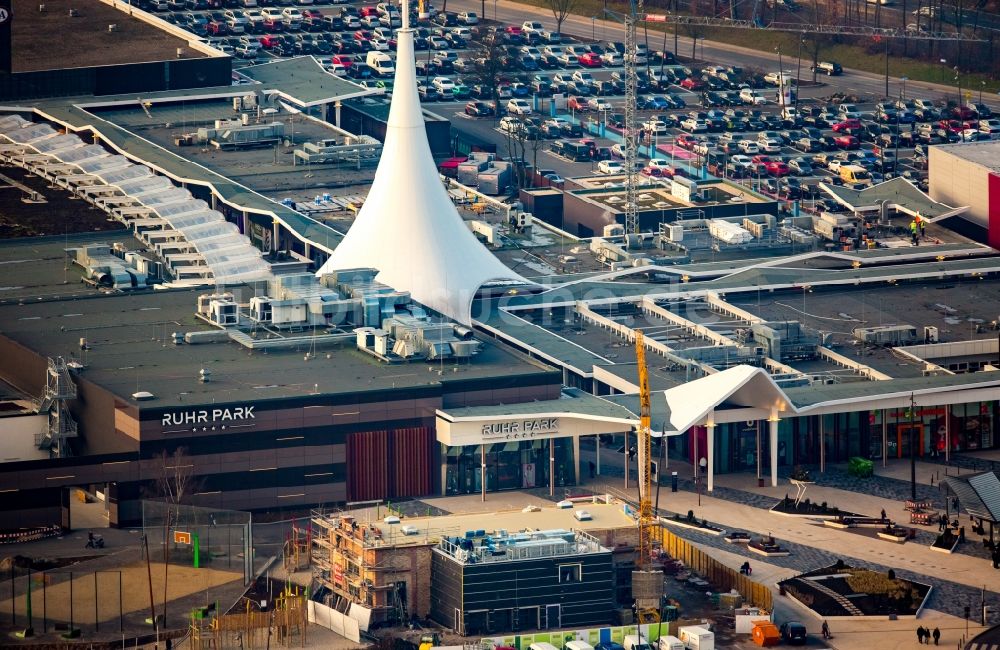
(516, 131)
(175, 481)
(488, 65)
(560, 10)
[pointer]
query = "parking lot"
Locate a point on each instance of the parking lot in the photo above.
(566, 97)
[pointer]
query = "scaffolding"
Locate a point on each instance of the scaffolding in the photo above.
(297, 550)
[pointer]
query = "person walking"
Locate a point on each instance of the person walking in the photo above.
(913, 233)
(937, 635)
(920, 634)
(826, 631)
(923, 228)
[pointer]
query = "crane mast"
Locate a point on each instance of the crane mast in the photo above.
(646, 518)
(647, 583)
(631, 127)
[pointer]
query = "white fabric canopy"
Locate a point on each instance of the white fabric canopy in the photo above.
(408, 229)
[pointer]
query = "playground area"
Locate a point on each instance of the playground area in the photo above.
(92, 598)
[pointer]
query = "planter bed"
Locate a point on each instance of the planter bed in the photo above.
(787, 508)
(864, 593)
(945, 548)
(900, 535)
(767, 547)
(737, 537)
(779, 553)
(898, 538)
(697, 525)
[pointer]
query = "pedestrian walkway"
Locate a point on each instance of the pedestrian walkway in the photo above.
(957, 579)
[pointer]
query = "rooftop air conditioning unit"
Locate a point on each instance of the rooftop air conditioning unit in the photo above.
(930, 334)
(224, 312)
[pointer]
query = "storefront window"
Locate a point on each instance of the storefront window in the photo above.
(972, 426)
(965, 427)
(509, 465)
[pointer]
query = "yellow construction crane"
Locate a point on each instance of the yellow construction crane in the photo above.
(647, 584)
(646, 519)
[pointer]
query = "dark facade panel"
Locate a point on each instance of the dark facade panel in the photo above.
(484, 592)
(118, 79)
(446, 588)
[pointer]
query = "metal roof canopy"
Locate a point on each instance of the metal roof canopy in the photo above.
(978, 494)
(303, 82)
(897, 193)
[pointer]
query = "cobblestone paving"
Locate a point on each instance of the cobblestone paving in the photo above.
(417, 508)
(973, 463)
(877, 486)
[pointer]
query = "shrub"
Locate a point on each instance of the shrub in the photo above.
(805, 504)
(822, 507)
(891, 574)
(690, 515)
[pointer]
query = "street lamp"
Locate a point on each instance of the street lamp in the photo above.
(958, 84)
(798, 71)
(904, 80)
(593, 28)
(982, 84)
(781, 80)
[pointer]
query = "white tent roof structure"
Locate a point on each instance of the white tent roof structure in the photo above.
(408, 228)
(740, 385)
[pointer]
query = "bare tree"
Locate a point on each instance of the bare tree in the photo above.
(561, 9)
(488, 65)
(176, 481)
(515, 128)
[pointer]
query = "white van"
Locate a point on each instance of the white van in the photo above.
(635, 642)
(578, 645)
(380, 63)
(542, 646)
(696, 637)
(670, 643)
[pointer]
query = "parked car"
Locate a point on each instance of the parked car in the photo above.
(794, 633)
(519, 107)
(610, 167)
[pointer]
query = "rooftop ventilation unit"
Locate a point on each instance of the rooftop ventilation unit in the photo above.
(888, 335)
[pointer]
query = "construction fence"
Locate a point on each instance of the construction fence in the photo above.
(721, 576)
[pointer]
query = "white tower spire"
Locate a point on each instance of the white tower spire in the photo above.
(408, 228)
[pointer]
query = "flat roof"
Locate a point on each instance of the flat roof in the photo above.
(572, 400)
(129, 349)
(657, 196)
(270, 171)
(53, 39)
(303, 81)
(37, 268)
(985, 153)
(430, 530)
(78, 118)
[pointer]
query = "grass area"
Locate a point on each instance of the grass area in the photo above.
(857, 57)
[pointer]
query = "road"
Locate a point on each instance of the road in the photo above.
(853, 81)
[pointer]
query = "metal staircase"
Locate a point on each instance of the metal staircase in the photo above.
(59, 389)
